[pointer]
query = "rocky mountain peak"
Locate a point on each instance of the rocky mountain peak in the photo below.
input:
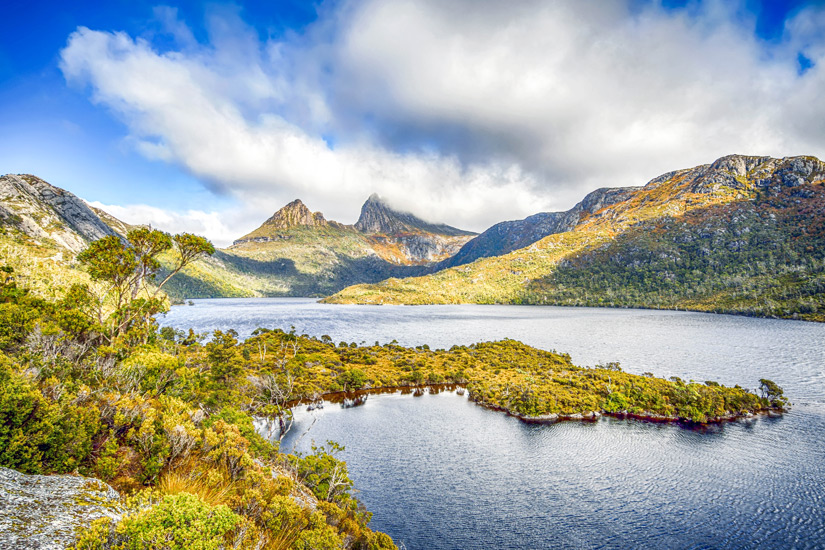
(379, 217)
(294, 214)
(41, 210)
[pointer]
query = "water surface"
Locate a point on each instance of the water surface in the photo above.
(439, 472)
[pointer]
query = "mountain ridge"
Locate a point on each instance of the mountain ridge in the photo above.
(507, 236)
(399, 238)
(43, 211)
(747, 184)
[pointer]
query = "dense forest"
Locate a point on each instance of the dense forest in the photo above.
(89, 383)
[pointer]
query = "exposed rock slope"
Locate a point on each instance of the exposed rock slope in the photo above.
(401, 237)
(43, 512)
(292, 215)
(43, 211)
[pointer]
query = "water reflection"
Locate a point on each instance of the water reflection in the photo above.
(441, 473)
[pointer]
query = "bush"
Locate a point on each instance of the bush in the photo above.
(178, 522)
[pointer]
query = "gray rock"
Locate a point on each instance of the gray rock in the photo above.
(378, 217)
(418, 240)
(41, 210)
(43, 512)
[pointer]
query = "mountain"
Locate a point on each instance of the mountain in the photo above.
(297, 252)
(43, 211)
(743, 234)
(294, 214)
(401, 237)
(507, 236)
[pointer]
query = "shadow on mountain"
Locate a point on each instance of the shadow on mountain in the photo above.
(281, 277)
(764, 257)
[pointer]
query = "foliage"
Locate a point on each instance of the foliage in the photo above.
(177, 522)
(127, 268)
(167, 421)
(325, 475)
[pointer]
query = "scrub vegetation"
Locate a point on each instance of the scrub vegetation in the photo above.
(89, 383)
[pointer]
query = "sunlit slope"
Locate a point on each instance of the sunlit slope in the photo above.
(306, 261)
(674, 218)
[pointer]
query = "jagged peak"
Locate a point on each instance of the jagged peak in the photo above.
(293, 214)
(377, 216)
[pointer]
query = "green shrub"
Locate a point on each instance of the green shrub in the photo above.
(178, 522)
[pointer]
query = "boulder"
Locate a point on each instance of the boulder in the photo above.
(43, 512)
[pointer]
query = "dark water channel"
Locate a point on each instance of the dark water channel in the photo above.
(438, 472)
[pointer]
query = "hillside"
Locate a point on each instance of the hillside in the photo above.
(44, 212)
(743, 234)
(42, 227)
(507, 236)
(297, 252)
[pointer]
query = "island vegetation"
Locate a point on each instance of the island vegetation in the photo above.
(89, 383)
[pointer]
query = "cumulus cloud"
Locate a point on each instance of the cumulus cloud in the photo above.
(220, 228)
(467, 112)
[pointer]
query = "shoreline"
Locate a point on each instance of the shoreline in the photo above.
(359, 397)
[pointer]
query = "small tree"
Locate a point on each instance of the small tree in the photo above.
(773, 393)
(127, 267)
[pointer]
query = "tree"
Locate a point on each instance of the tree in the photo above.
(127, 267)
(773, 393)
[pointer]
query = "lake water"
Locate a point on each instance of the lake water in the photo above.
(441, 473)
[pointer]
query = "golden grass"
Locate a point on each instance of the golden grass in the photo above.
(214, 487)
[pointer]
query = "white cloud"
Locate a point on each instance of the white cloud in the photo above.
(467, 112)
(220, 228)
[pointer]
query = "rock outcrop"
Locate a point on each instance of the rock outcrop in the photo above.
(418, 241)
(44, 512)
(294, 214)
(379, 217)
(746, 173)
(43, 211)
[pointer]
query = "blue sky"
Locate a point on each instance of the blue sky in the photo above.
(209, 116)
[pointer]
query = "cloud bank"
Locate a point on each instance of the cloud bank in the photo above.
(467, 112)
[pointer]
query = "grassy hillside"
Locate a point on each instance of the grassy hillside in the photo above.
(45, 268)
(305, 261)
(704, 239)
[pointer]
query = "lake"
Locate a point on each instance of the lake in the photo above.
(439, 472)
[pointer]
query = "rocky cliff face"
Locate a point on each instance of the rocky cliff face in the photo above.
(43, 211)
(507, 236)
(746, 173)
(415, 240)
(43, 512)
(378, 217)
(294, 214)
